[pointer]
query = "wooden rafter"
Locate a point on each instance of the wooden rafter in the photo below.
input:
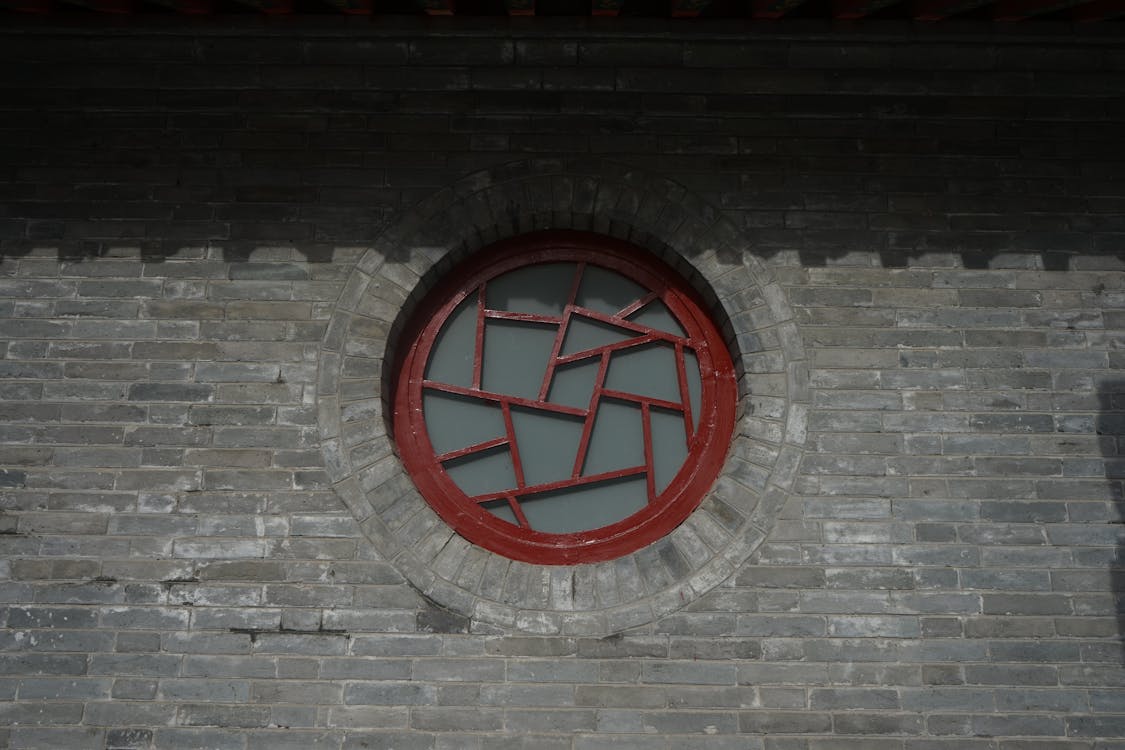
(106, 6)
(936, 10)
(606, 7)
(688, 8)
(1101, 10)
(1018, 10)
(437, 7)
(520, 7)
(27, 6)
(770, 9)
(852, 9)
(271, 7)
(189, 7)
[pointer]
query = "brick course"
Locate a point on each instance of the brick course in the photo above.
(183, 212)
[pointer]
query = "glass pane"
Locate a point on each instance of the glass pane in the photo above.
(573, 384)
(648, 370)
(606, 291)
(584, 333)
(657, 315)
(694, 384)
(501, 509)
(515, 357)
(542, 289)
(454, 422)
(587, 507)
(451, 359)
(481, 473)
(548, 444)
(669, 446)
(617, 441)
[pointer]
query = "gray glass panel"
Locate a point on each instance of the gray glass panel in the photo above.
(501, 509)
(648, 370)
(515, 357)
(547, 443)
(572, 385)
(541, 289)
(584, 333)
(585, 508)
(607, 291)
(694, 384)
(617, 441)
(451, 359)
(481, 473)
(455, 422)
(657, 315)
(669, 446)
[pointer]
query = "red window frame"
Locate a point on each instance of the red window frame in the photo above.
(707, 446)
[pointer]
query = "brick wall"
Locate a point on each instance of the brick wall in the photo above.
(181, 208)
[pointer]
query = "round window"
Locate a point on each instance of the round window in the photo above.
(563, 398)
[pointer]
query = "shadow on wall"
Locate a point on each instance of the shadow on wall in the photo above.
(1111, 431)
(316, 252)
(157, 252)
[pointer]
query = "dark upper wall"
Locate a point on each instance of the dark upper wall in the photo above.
(921, 246)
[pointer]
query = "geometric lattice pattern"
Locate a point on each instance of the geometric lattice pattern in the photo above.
(562, 397)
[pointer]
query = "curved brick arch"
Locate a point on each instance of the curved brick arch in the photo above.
(509, 200)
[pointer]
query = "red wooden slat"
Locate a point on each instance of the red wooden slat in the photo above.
(936, 10)
(515, 506)
(503, 398)
(605, 349)
(650, 470)
(591, 414)
(523, 317)
(560, 335)
(634, 398)
(629, 325)
(685, 396)
(562, 484)
(478, 350)
(513, 445)
(479, 447)
(636, 305)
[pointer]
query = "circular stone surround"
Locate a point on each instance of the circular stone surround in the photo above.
(356, 362)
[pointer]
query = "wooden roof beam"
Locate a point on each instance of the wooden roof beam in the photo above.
(27, 6)
(688, 8)
(772, 9)
(119, 7)
(520, 7)
(1101, 10)
(353, 7)
(606, 7)
(436, 7)
(936, 10)
(1019, 10)
(848, 10)
(189, 7)
(271, 7)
